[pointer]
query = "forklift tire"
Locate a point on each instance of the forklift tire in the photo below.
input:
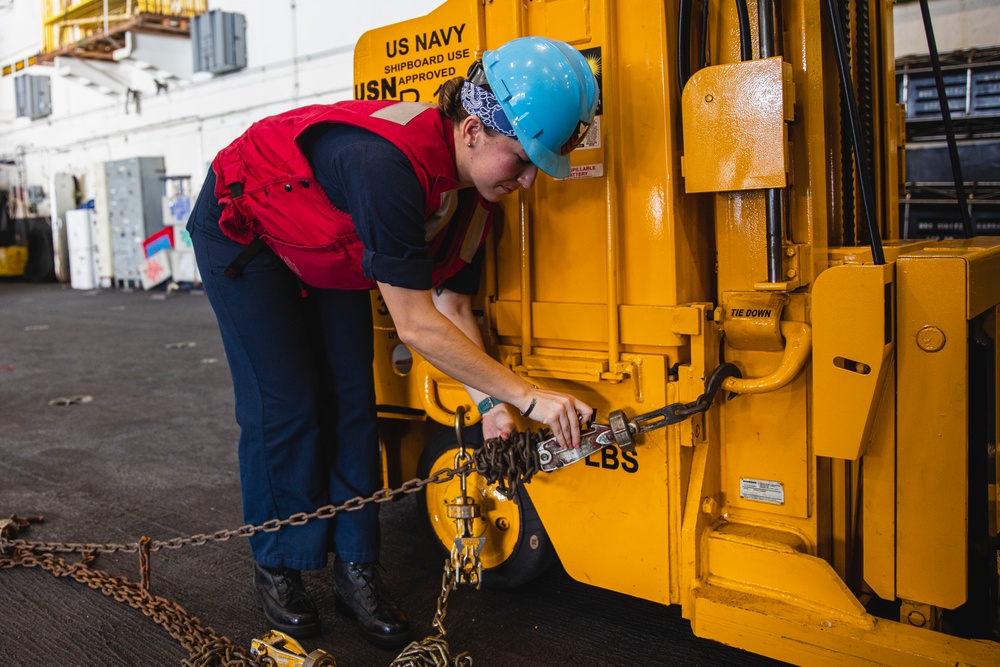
(517, 548)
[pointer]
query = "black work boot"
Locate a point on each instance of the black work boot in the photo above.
(287, 606)
(361, 595)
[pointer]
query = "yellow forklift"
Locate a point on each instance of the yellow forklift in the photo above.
(735, 206)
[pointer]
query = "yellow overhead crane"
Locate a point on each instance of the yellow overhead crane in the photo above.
(736, 202)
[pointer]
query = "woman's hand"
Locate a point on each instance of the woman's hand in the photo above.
(562, 413)
(499, 422)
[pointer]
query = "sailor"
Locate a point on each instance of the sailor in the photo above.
(299, 219)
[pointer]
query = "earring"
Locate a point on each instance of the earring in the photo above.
(469, 144)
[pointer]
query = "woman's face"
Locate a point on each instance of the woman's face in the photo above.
(497, 165)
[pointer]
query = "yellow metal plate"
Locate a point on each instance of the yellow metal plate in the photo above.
(931, 452)
(852, 341)
(734, 127)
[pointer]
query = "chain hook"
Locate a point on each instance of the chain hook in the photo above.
(462, 457)
(459, 426)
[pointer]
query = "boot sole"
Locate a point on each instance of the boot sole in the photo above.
(379, 640)
(295, 631)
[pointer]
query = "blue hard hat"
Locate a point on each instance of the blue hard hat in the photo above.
(548, 92)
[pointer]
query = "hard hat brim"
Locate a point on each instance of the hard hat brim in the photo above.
(553, 164)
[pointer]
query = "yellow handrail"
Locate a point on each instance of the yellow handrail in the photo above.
(798, 343)
(429, 396)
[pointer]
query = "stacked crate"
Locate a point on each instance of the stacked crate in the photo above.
(930, 207)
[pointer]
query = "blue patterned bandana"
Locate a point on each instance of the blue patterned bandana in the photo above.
(483, 104)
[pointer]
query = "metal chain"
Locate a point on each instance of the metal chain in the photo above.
(205, 646)
(247, 530)
(461, 567)
(433, 651)
(509, 462)
(678, 412)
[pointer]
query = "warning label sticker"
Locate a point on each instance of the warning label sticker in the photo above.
(762, 490)
(593, 137)
(584, 171)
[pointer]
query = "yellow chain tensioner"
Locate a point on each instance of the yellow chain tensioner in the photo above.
(286, 652)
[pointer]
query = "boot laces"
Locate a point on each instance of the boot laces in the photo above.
(368, 581)
(288, 583)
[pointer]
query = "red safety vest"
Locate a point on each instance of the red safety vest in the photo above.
(269, 191)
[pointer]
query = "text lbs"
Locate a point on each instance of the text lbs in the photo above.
(612, 458)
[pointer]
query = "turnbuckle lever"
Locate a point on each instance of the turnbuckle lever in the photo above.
(552, 456)
(621, 430)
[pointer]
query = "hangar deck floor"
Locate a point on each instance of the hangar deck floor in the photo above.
(153, 453)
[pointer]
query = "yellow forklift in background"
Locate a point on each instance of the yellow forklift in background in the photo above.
(735, 203)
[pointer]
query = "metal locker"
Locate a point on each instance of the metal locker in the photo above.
(134, 212)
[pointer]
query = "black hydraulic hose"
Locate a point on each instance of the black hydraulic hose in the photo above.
(860, 157)
(773, 215)
(949, 129)
(743, 13)
(683, 43)
(774, 220)
(779, 29)
(765, 27)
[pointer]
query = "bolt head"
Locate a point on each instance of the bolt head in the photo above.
(931, 339)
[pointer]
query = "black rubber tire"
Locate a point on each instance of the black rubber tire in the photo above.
(533, 553)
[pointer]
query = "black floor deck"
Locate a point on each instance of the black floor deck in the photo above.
(153, 453)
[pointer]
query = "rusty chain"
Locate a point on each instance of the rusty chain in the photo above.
(246, 530)
(206, 648)
(509, 462)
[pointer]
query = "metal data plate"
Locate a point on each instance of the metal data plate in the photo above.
(552, 457)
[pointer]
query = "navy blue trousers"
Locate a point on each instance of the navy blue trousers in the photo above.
(305, 398)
